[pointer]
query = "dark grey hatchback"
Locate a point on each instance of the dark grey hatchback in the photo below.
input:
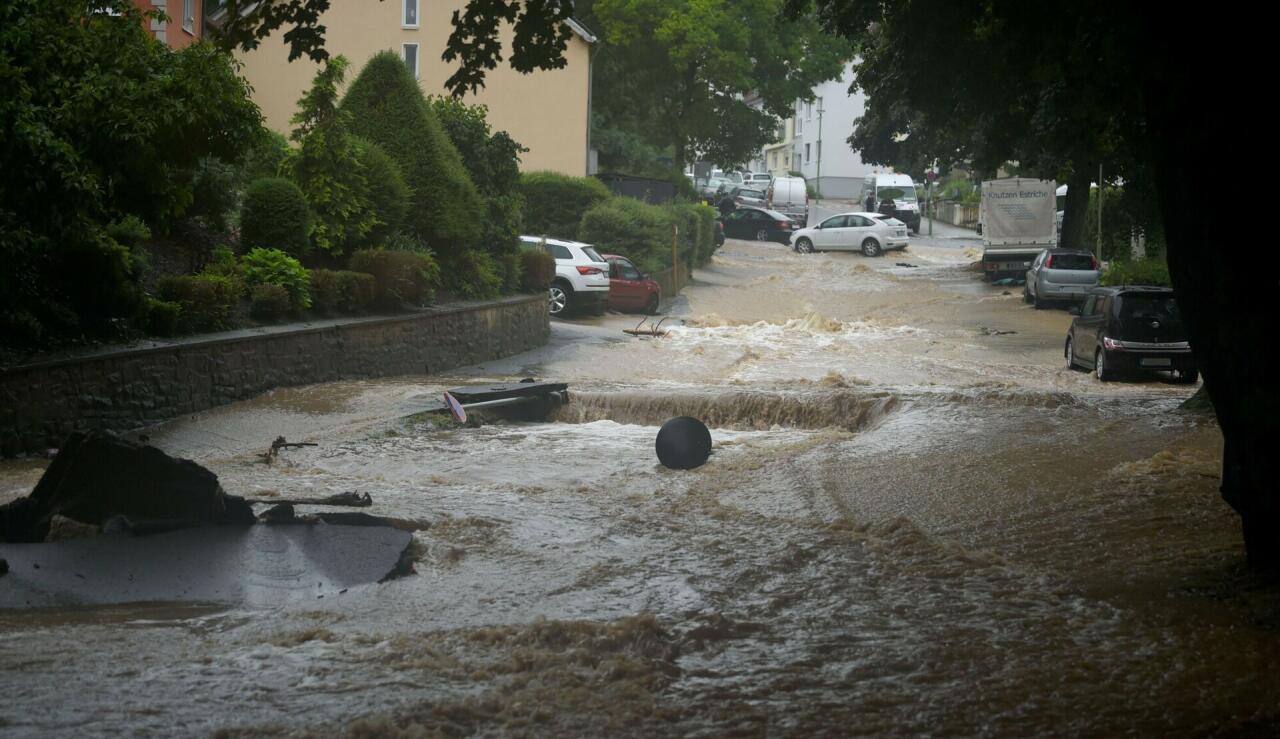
(1130, 329)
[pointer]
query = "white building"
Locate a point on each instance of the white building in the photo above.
(821, 141)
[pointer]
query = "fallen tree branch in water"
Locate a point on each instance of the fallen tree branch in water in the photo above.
(650, 331)
(351, 499)
(281, 443)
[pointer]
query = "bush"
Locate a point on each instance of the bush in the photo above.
(697, 230)
(400, 277)
(266, 157)
(269, 302)
(1140, 272)
(274, 267)
(511, 271)
(275, 215)
(389, 195)
(537, 269)
(555, 203)
(473, 275)
(223, 262)
(631, 228)
(213, 195)
(387, 107)
(163, 318)
(129, 231)
(341, 291)
(206, 300)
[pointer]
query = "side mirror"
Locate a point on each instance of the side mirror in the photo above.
(1074, 310)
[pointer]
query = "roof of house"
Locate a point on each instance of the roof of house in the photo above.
(581, 30)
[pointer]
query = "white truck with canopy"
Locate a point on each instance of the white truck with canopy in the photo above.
(1017, 218)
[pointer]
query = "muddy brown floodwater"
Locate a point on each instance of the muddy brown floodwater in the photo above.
(916, 520)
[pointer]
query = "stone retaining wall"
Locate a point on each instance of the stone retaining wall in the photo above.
(130, 387)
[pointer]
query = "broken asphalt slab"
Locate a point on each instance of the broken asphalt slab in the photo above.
(255, 566)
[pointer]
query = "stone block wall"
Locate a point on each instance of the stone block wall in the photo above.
(127, 388)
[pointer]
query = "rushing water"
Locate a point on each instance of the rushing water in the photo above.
(916, 520)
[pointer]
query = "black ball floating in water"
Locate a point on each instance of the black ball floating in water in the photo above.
(683, 443)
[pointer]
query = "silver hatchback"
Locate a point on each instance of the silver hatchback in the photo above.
(1060, 275)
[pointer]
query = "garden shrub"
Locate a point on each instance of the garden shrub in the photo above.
(555, 203)
(274, 267)
(275, 215)
(214, 192)
(129, 231)
(537, 270)
(387, 107)
(206, 300)
(1137, 272)
(269, 302)
(511, 271)
(389, 195)
(341, 291)
(163, 317)
(223, 262)
(400, 277)
(473, 275)
(265, 157)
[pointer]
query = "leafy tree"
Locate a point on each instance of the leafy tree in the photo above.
(676, 72)
(538, 41)
(99, 121)
(327, 166)
(387, 107)
(493, 161)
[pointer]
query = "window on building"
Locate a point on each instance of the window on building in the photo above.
(189, 16)
(410, 55)
(410, 16)
(806, 152)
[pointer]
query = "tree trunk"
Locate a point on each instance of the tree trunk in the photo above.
(1077, 208)
(1228, 298)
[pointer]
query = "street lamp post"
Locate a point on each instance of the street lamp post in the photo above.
(818, 177)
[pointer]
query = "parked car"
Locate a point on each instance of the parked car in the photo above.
(582, 275)
(871, 233)
(895, 191)
(1060, 274)
(742, 195)
(789, 196)
(629, 289)
(715, 188)
(1129, 329)
(761, 179)
(759, 224)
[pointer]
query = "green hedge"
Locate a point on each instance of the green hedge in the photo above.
(342, 291)
(206, 300)
(275, 215)
(400, 277)
(388, 192)
(473, 275)
(1139, 272)
(387, 107)
(537, 269)
(269, 302)
(555, 203)
(642, 232)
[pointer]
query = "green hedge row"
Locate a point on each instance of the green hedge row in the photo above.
(555, 203)
(643, 232)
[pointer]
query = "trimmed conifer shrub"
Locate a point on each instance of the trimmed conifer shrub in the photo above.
(388, 108)
(275, 215)
(555, 203)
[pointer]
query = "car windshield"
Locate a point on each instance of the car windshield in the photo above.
(591, 254)
(1152, 305)
(1070, 261)
(896, 193)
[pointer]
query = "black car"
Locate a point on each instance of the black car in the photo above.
(1130, 329)
(758, 224)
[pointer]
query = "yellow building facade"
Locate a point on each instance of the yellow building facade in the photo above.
(546, 111)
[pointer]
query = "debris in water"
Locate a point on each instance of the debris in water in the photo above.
(642, 330)
(270, 455)
(350, 498)
(905, 264)
(683, 443)
(994, 332)
(1009, 281)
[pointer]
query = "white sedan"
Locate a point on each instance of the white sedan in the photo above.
(871, 233)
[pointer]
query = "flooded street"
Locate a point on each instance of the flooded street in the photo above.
(916, 520)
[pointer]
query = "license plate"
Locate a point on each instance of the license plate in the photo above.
(1155, 362)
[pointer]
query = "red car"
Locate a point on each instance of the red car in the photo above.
(630, 290)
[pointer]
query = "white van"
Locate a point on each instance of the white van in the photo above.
(898, 188)
(790, 197)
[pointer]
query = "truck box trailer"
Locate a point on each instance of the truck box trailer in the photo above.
(1017, 218)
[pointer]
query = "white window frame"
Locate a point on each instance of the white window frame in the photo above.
(189, 16)
(417, 56)
(404, 13)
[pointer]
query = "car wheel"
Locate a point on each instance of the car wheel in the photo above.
(762, 234)
(804, 246)
(558, 296)
(652, 306)
(1188, 377)
(1100, 368)
(1071, 354)
(871, 248)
